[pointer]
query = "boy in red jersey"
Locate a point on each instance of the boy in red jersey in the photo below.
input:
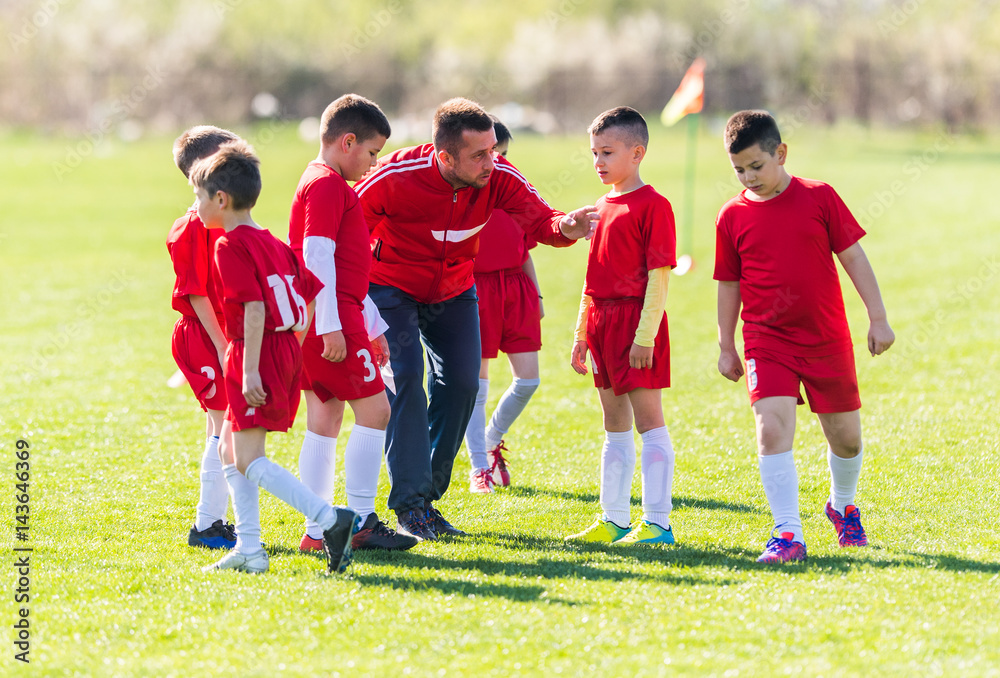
(510, 314)
(267, 297)
(199, 342)
(341, 364)
(774, 256)
(623, 324)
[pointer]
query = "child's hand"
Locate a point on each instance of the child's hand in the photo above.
(253, 389)
(380, 350)
(578, 358)
(640, 357)
(730, 365)
(334, 346)
(880, 337)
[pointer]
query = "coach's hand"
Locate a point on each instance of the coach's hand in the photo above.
(730, 365)
(578, 358)
(640, 357)
(253, 389)
(380, 350)
(580, 223)
(334, 346)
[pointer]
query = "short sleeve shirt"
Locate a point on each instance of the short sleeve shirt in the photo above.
(192, 250)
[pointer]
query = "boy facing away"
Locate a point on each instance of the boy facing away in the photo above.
(199, 342)
(623, 324)
(341, 362)
(774, 256)
(267, 298)
(510, 320)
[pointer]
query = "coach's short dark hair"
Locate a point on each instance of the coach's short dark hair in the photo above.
(454, 117)
(627, 121)
(197, 143)
(353, 114)
(503, 134)
(234, 169)
(746, 128)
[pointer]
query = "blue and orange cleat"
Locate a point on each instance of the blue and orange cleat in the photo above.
(783, 549)
(848, 526)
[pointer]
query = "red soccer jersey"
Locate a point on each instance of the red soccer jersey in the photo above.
(192, 251)
(426, 233)
(256, 266)
(781, 252)
(635, 235)
(326, 206)
(502, 244)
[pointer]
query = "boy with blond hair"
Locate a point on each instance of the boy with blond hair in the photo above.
(624, 326)
(199, 342)
(775, 243)
(267, 298)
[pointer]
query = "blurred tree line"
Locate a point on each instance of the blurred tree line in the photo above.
(110, 64)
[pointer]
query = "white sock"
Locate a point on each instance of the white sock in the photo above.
(617, 467)
(246, 507)
(214, 493)
(843, 479)
(362, 463)
(289, 489)
(511, 404)
(657, 476)
(475, 432)
(781, 486)
(317, 469)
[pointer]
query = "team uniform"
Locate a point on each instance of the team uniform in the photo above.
(794, 325)
(256, 266)
(328, 234)
(191, 247)
(425, 237)
(635, 235)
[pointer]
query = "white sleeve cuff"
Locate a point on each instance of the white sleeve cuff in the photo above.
(374, 324)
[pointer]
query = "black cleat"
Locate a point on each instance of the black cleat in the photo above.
(337, 539)
(441, 526)
(413, 523)
(375, 535)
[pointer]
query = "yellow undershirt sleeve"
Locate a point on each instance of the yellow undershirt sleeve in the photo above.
(652, 306)
(580, 333)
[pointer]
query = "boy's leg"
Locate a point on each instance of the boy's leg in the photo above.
(524, 367)
(248, 554)
(844, 455)
(318, 456)
(363, 456)
(214, 494)
(475, 432)
(657, 456)
(775, 424)
(617, 457)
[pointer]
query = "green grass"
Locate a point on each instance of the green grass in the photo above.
(115, 590)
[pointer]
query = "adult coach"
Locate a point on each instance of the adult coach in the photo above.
(425, 206)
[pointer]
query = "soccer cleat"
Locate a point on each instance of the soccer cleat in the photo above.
(310, 545)
(218, 535)
(481, 481)
(337, 539)
(601, 531)
(498, 465)
(648, 533)
(255, 563)
(441, 527)
(848, 526)
(374, 535)
(783, 550)
(414, 523)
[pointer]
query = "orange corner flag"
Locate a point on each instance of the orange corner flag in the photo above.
(690, 94)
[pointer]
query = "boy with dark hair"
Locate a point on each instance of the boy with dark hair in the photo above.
(510, 313)
(624, 326)
(341, 354)
(268, 297)
(775, 243)
(199, 342)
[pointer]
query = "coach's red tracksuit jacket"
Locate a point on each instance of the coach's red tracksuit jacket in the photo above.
(425, 234)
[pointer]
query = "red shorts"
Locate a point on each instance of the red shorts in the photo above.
(509, 315)
(280, 365)
(830, 381)
(197, 358)
(355, 377)
(610, 334)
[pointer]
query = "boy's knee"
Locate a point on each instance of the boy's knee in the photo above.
(846, 451)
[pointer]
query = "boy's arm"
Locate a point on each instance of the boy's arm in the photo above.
(730, 364)
(318, 253)
(253, 336)
(854, 261)
(578, 356)
(529, 270)
(641, 354)
(206, 315)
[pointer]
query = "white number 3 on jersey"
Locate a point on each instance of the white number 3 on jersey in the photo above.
(293, 319)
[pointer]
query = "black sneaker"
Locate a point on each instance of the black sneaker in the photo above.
(337, 539)
(375, 535)
(218, 535)
(441, 526)
(413, 523)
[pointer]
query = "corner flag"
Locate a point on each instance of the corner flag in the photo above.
(689, 96)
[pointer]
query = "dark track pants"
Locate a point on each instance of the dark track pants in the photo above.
(424, 435)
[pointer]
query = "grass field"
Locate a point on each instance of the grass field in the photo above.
(114, 590)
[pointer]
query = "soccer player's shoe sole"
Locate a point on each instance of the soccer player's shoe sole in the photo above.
(255, 563)
(648, 533)
(218, 535)
(783, 550)
(337, 539)
(849, 530)
(600, 532)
